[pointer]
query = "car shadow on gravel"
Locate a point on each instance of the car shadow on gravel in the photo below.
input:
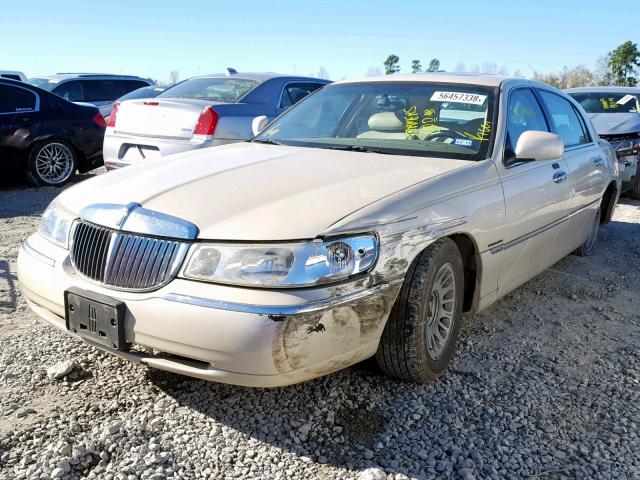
(8, 300)
(21, 198)
(321, 419)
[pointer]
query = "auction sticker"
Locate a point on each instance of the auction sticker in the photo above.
(625, 99)
(458, 97)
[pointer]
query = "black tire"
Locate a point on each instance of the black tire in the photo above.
(404, 350)
(56, 154)
(589, 246)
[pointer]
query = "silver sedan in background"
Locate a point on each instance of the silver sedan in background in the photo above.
(199, 112)
(615, 114)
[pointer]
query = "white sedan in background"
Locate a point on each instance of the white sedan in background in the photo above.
(197, 113)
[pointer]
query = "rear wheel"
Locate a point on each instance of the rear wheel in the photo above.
(589, 246)
(51, 163)
(420, 336)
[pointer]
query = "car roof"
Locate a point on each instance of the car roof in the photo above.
(445, 77)
(603, 89)
(110, 76)
(260, 76)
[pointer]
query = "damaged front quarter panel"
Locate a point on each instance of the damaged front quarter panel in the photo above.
(334, 338)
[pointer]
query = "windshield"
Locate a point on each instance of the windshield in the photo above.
(401, 118)
(607, 102)
(43, 83)
(227, 90)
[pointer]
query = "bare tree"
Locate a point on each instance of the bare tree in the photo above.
(323, 73)
(488, 67)
(475, 69)
(174, 75)
(460, 67)
(504, 70)
(578, 76)
(518, 74)
(373, 72)
(602, 73)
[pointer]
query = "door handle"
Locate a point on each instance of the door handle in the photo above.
(598, 161)
(559, 177)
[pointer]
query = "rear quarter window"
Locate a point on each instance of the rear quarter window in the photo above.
(17, 100)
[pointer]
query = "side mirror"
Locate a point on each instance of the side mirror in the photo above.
(259, 123)
(536, 145)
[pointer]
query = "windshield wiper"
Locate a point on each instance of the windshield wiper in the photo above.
(266, 141)
(354, 148)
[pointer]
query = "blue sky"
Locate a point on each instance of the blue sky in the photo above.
(347, 38)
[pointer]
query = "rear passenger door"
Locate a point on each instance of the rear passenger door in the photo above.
(19, 119)
(585, 161)
(293, 92)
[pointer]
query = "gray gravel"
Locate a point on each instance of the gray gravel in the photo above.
(545, 384)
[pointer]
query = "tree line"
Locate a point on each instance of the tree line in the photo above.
(619, 67)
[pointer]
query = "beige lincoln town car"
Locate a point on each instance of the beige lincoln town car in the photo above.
(363, 221)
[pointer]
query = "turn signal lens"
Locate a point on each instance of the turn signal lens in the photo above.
(112, 117)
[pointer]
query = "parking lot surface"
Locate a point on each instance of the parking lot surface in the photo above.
(545, 384)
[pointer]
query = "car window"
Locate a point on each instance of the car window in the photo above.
(227, 90)
(11, 76)
(564, 119)
(292, 93)
(608, 102)
(396, 118)
(524, 114)
(70, 91)
(127, 86)
(101, 90)
(18, 100)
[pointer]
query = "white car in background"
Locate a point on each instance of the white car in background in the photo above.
(198, 113)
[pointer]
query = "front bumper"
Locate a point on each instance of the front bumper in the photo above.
(252, 337)
(120, 150)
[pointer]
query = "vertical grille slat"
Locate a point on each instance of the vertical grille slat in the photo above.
(124, 260)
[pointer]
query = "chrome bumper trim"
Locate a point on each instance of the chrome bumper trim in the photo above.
(26, 246)
(281, 309)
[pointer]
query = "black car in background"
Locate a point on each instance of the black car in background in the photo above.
(46, 136)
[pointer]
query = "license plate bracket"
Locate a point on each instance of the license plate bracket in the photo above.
(96, 318)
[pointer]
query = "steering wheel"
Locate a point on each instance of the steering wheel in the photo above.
(442, 133)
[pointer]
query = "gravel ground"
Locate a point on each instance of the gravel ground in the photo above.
(545, 384)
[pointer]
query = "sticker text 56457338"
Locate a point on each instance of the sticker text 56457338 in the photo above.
(458, 97)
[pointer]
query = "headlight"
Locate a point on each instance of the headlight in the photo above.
(281, 265)
(56, 223)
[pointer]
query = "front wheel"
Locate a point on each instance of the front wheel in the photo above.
(51, 163)
(420, 335)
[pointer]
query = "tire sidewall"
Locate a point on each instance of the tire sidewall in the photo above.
(451, 255)
(32, 172)
(589, 249)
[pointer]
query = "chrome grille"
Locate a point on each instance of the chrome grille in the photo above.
(124, 260)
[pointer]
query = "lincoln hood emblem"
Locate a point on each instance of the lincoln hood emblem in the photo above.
(136, 219)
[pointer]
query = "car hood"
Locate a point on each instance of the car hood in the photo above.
(615, 123)
(249, 191)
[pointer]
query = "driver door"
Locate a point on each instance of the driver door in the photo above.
(537, 199)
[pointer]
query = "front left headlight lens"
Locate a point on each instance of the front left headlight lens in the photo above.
(56, 223)
(282, 265)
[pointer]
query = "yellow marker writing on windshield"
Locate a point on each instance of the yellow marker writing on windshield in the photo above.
(411, 121)
(482, 134)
